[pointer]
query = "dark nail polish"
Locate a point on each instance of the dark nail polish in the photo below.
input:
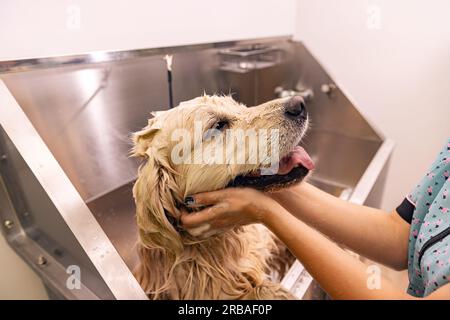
(189, 201)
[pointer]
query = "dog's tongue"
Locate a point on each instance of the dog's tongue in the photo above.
(297, 156)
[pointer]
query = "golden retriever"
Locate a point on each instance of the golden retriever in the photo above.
(187, 150)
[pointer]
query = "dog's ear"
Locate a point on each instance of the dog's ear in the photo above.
(159, 242)
(142, 139)
(153, 193)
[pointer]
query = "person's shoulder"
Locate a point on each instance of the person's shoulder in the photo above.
(434, 179)
(442, 161)
(440, 169)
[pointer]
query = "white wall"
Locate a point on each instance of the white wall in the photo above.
(56, 27)
(17, 280)
(396, 65)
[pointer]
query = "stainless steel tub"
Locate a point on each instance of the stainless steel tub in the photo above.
(66, 177)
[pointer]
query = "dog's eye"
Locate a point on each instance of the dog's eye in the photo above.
(221, 125)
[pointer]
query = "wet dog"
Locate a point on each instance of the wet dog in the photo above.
(206, 144)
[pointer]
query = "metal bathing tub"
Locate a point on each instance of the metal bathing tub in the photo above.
(65, 183)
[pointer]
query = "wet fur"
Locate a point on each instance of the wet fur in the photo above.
(176, 264)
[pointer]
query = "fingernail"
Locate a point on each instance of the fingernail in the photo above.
(189, 201)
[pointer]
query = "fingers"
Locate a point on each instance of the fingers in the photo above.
(200, 222)
(205, 199)
(195, 219)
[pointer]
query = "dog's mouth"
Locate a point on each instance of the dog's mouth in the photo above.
(292, 168)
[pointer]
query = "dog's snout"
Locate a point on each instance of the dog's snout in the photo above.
(295, 108)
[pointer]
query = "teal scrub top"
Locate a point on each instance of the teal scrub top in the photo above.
(427, 209)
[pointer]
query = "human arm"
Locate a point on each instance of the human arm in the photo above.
(339, 274)
(373, 233)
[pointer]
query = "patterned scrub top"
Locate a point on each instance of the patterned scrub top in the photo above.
(427, 209)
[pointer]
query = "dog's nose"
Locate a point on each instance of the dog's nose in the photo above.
(295, 108)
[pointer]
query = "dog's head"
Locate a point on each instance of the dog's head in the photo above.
(209, 143)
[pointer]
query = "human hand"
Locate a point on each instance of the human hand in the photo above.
(226, 209)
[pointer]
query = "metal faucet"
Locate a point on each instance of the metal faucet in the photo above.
(306, 94)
